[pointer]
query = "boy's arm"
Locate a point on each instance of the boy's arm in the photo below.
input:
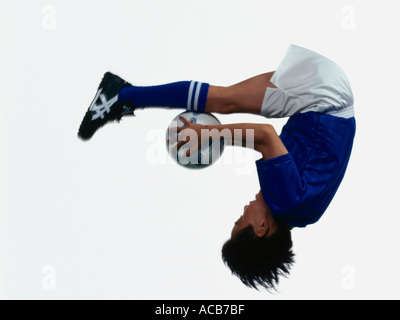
(263, 138)
(260, 137)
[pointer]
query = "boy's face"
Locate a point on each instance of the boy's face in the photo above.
(257, 214)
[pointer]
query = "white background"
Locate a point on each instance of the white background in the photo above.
(104, 220)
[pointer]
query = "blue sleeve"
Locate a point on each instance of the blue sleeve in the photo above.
(282, 185)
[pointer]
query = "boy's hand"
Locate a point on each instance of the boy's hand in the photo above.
(188, 135)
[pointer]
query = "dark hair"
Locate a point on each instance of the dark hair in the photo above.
(259, 261)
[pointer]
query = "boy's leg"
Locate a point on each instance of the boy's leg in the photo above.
(116, 98)
(244, 97)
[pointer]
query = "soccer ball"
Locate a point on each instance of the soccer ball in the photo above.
(207, 154)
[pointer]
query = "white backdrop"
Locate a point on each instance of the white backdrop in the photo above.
(114, 218)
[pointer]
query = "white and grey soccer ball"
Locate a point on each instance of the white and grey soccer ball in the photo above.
(209, 152)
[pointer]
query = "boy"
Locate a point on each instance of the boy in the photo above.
(300, 169)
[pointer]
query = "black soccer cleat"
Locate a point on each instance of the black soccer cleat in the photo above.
(105, 106)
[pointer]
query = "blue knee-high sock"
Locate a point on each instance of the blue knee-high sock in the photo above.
(189, 95)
